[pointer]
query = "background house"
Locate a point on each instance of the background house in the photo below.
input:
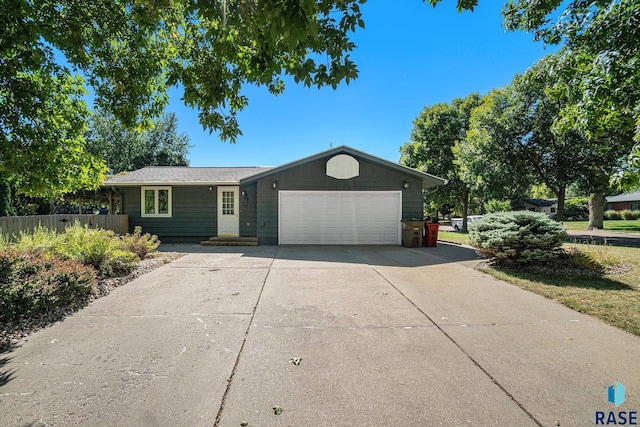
(621, 202)
(546, 206)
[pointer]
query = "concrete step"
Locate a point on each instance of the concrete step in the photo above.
(230, 241)
(233, 239)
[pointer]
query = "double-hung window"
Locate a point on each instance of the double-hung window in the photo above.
(156, 202)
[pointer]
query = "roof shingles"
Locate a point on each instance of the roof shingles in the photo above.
(185, 175)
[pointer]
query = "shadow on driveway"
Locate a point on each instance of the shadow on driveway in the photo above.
(6, 375)
(366, 255)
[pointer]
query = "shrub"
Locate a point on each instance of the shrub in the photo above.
(522, 236)
(140, 244)
(630, 215)
(40, 239)
(594, 258)
(497, 206)
(32, 283)
(89, 246)
(612, 215)
(577, 209)
(118, 263)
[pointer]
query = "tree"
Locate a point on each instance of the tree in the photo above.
(521, 121)
(132, 51)
(602, 60)
(125, 149)
(436, 131)
(555, 159)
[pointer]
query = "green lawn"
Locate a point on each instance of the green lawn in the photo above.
(453, 237)
(618, 226)
(613, 298)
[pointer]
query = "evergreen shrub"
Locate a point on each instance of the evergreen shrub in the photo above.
(519, 237)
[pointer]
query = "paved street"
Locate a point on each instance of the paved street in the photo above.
(384, 336)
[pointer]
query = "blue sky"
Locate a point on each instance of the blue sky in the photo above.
(408, 56)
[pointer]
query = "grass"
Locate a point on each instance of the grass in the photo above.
(613, 298)
(453, 237)
(618, 226)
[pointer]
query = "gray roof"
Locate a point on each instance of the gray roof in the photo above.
(541, 202)
(428, 180)
(184, 175)
(628, 197)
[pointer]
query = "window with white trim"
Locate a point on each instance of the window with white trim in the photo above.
(156, 202)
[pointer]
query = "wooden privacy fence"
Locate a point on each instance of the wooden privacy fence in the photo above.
(14, 225)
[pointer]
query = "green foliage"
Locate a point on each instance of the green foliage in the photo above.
(101, 249)
(612, 215)
(577, 209)
(518, 237)
(140, 244)
(126, 149)
(40, 239)
(630, 215)
(118, 263)
(42, 116)
(593, 258)
(33, 282)
(89, 246)
(494, 205)
(599, 63)
(438, 147)
(6, 200)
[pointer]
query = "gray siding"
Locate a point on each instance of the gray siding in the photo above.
(194, 208)
(312, 176)
(194, 214)
(248, 218)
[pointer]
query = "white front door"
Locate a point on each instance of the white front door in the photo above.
(228, 212)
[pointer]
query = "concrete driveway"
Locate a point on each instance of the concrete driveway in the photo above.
(387, 336)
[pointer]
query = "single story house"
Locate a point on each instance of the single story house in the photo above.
(621, 202)
(546, 206)
(339, 196)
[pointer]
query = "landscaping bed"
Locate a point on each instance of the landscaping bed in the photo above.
(46, 276)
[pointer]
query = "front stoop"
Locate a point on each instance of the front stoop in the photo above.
(230, 241)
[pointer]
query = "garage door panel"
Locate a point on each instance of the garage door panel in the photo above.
(339, 217)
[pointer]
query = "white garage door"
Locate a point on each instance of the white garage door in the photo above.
(339, 217)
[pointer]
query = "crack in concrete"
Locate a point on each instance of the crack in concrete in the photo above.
(347, 328)
(468, 356)
(244, 340)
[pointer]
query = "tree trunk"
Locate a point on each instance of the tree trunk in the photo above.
(465, 208)
(112, 202)
(561, 195)
(597, 203)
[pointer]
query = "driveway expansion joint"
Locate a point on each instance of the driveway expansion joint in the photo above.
(467, 355)
(244, 341)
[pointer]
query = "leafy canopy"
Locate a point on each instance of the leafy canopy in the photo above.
(602, 60)
(125, 149)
